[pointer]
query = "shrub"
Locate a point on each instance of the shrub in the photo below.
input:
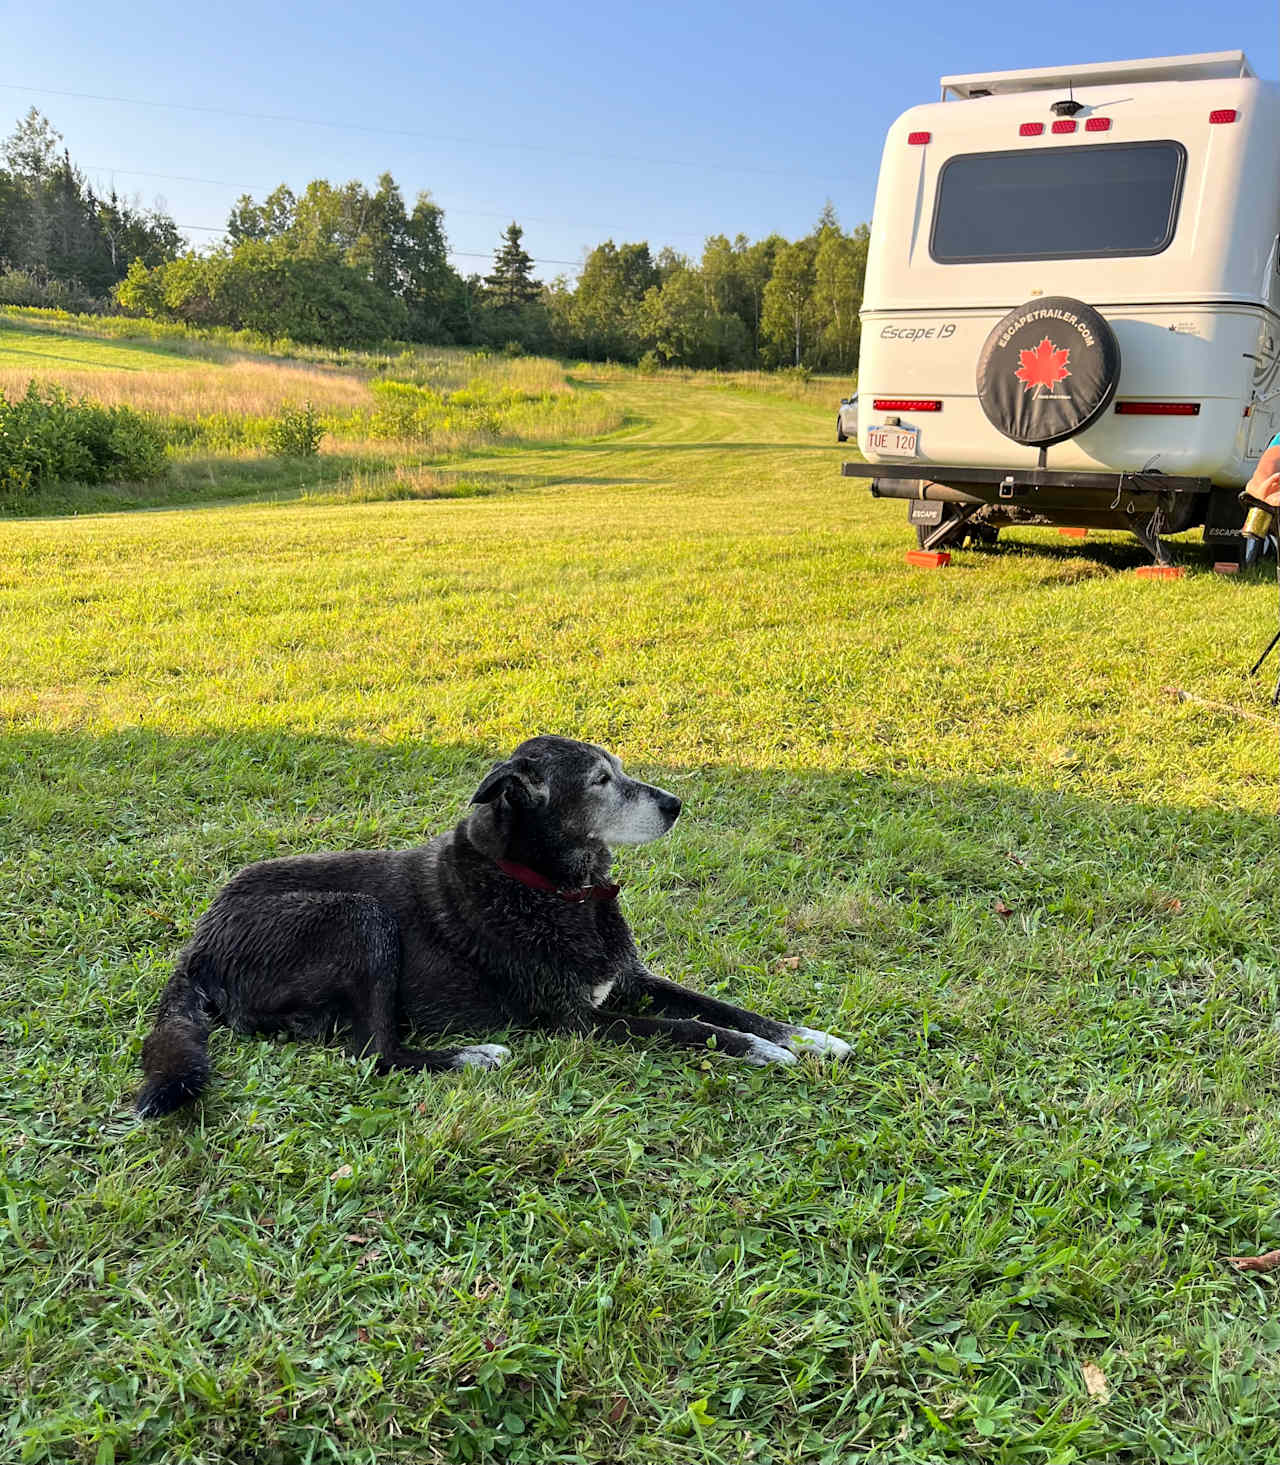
(48, 437)
(650, 364)
(25, 288)
(404, 410)
(295, 432)
(261, 286)
(513, 348)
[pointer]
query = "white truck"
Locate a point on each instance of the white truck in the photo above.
(1072, 305)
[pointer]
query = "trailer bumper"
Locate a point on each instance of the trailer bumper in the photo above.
(1046, 495)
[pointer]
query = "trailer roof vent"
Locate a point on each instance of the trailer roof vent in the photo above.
(1067, 108)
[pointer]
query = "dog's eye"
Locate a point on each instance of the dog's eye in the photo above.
(601, 779)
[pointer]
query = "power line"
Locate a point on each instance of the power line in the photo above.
(142, 173)
(573, 264)
(528, 147)
(465, 213)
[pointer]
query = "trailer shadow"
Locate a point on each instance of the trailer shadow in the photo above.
(1061, 1010)
(112, 844)
(1114, 553)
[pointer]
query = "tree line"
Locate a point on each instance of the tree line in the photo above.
(60, 242)
(346, 265)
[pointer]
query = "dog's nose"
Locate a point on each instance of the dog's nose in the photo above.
(670, 806)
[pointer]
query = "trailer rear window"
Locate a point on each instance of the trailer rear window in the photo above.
(1076, 202)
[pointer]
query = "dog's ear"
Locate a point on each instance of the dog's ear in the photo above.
(516, 781)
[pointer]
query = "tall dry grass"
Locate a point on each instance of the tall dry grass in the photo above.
(817, 391)
(795, 386)
(450, 370)
(242, 388)
(229, 409)
(369, 484)
(222, 402)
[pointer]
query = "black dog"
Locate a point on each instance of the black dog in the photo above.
(509, 919)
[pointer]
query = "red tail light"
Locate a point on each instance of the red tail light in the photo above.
(1031, 129)
(918, 139)
(1224, 114)
(1158, 409)
(907, 404)
(1097, 124)
(1064, 124)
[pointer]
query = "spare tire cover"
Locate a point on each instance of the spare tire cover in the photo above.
(1048, 370)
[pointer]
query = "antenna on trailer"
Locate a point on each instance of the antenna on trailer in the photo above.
(1070, 107)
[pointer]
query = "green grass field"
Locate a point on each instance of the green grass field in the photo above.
(958, 818)
(40, 352)
(387, 416)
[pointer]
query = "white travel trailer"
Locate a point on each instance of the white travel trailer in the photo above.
(1072, 303)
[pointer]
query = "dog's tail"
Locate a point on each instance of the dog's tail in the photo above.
(175, 1057)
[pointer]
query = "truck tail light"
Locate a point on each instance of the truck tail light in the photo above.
(907, 404)
(1064, 124)
(918, 139)
(1097, 124)
(1031, 129)
(1158, 409)
(1224, 114)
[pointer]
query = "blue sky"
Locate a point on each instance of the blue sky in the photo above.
(659, 122)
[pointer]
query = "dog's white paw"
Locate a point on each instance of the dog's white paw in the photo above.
(762, 1051)
(483, 1055)
(813, 1041)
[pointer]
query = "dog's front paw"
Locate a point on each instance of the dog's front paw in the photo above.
(761, 1051)
(811, 1041)
(482, 1055)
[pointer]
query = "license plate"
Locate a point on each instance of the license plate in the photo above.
(896, 442)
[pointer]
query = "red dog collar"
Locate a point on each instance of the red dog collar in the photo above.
(534, 881)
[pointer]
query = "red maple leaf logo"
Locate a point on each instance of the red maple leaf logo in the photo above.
(1043, 367)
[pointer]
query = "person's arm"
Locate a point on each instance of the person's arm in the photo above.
(1265, 483)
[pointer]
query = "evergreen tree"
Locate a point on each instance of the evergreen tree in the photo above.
(828, 224)
(54, 230)
(31, 150)
(512, 284)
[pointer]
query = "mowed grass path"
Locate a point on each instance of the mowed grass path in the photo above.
(957, 818)
(49, 352)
